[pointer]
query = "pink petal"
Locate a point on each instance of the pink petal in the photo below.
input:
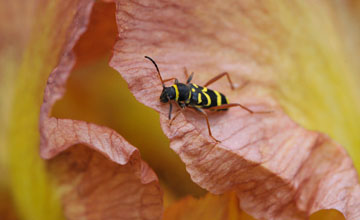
(102, 176)
(278, 169)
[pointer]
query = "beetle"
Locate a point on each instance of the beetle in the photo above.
(196, 97)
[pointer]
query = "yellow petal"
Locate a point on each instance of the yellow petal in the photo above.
(317, 76)
(32, 189)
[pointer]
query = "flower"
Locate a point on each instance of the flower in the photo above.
(290, 59)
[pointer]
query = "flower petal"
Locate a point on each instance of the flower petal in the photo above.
(36, 53)
(7, 208)
(224, 207)
(96, 93)
(96, 186)
(104, 179)
(14, 32)
(278, 169)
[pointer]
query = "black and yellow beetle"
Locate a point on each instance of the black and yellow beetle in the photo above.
(196, 97)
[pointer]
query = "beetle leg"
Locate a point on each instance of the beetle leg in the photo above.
(170, 109)
(175, 116)
(190, 78)
(186, 73)
(207, 122)
(227, 106)
(181, 107)
(173, 78)
(218, 77)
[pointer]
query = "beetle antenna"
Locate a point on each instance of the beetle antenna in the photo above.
(157, 68)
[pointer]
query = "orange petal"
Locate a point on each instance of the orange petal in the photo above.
(107, 179)
(224, 207)
(278, 169)
(7, 208)
(99, 38)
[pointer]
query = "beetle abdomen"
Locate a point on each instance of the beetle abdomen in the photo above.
(203, 97)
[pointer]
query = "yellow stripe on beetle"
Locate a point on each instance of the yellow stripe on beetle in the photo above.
(204, 90)
(176, 92)
(199, 98)
(189, 98)
(218, 98)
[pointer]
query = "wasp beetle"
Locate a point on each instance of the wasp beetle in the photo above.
(196, 97)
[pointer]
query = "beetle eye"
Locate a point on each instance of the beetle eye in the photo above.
(163, 97)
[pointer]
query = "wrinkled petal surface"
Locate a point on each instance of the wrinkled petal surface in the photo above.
(105, 180)
(96, 186)
(278, 169)
(96, 93)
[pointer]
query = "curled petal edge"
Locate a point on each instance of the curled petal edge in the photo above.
(58, 135)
